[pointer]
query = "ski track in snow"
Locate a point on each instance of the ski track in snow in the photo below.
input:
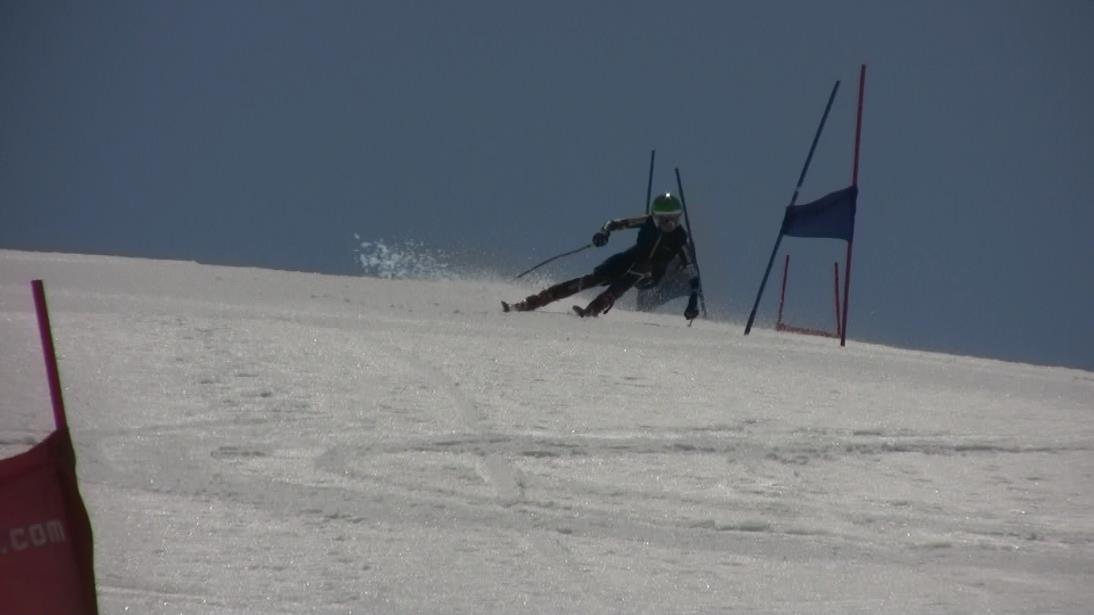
(335, 445)
(496, 469)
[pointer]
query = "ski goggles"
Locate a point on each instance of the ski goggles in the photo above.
(666, 222)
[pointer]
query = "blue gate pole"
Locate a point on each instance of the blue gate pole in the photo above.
(793, 200)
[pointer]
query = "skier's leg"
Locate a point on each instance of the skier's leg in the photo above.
(605, 300)
(556, 292)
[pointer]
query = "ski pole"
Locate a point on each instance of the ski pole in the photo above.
(584, 247)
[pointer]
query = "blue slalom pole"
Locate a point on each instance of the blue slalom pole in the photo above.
(793, 200)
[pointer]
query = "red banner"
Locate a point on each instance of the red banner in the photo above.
(46, 565)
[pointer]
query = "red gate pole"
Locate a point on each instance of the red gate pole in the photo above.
(835, 270)
(52, 373)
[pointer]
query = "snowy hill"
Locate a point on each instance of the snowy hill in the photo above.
(255, 441)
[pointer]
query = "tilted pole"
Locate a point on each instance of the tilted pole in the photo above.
(782, 293)
(854, 182)
(793, 200)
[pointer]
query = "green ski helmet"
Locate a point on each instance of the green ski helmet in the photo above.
(666, 210)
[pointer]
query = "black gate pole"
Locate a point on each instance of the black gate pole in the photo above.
(691, 243)
(649, 181)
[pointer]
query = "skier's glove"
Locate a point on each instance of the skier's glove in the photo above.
(600, 238)
(692, 310)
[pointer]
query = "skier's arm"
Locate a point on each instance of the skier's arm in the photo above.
(622, 223)
(601, 237)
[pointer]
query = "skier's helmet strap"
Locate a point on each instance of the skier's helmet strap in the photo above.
(666, 210)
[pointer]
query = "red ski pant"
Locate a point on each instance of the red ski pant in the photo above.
(602, 303)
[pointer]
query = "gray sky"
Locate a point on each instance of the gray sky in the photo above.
(269, 133)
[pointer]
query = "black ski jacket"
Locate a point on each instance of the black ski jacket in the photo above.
(651, 253)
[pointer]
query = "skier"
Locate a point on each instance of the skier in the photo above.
(660, 239)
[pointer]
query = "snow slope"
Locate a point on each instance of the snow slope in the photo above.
(254, 441)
